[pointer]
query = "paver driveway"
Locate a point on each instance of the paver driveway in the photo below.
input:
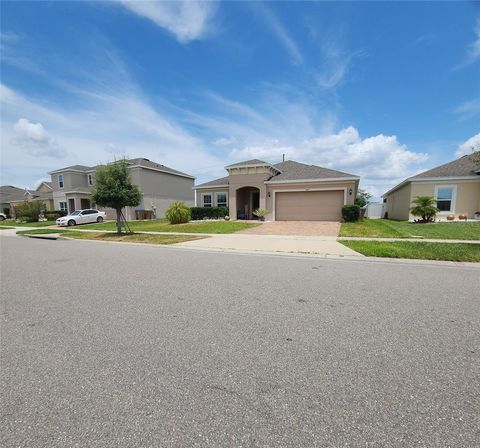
(296, 228)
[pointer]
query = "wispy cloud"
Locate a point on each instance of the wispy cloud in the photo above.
(186, 19)
(468, 109)
(473, 50)
(280, 32)
(336, 63)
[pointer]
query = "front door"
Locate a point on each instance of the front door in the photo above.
(71, 205)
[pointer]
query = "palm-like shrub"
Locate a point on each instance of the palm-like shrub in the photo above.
(178, 213)
(425, 208)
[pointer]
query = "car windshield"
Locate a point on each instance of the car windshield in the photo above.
(75, 213)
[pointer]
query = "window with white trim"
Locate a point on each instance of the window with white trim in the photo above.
(60, 181)
(63, 206)
(90, 179)
(207, 200)
(222, 199)
(445, 197)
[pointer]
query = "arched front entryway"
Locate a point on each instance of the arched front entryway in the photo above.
(248, 200)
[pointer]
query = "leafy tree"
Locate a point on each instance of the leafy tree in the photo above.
(178, 213)
(113, 188)
(362, 198)
(425, 207)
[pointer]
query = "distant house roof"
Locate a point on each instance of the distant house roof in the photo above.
(9, 193)
(144, 163)
(289, 171)
(466, 166)
(48, 184)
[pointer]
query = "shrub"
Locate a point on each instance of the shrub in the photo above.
(425, 208)
(6, 211)
(178, 213)
(52, 215)
(350, 213)
(29, 211)
(208, 212)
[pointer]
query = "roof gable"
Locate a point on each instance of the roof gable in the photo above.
(291, 170)
(464, 166)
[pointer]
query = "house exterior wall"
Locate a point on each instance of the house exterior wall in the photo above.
(467, 198)
(399, 203)
(311, 186)
(212, 191)
(467, 195)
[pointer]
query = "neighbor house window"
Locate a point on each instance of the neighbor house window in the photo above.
(63, 206)
(221, 199)
(90, 179)
(60, 181)
(207, 200)
(445, 197)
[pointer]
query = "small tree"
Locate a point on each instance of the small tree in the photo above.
(362, 198)
(425, 207)
(178, 213)
(113, 188)
(29, 210)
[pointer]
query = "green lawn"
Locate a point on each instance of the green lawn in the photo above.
(162, 225)
(12, 223)
(6, 228)
(385, 228)
(420, 250)
(132, 237)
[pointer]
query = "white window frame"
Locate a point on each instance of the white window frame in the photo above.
(203, 199)
(89, 179)
(63, 209)
(60, 176)
(226, 198)
(453, 200)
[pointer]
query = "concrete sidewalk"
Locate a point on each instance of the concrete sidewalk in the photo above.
(271, 243)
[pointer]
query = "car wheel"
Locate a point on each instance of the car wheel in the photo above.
(71, 222)
(2, 218)
(99, 219)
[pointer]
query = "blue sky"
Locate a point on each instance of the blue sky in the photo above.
(379, 89)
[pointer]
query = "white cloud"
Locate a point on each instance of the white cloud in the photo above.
(109, 124)
(187, 19)
(468, 146)
(224, 141)
(35, 140)
(280, 32)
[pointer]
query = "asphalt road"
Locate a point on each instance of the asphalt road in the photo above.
(109, 345)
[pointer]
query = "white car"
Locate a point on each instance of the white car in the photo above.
(3, 216)
(81, 217)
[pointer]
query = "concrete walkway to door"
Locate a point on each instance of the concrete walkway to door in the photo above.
(296, 228)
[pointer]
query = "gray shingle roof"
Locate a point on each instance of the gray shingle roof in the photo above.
(9, 193)
(149, 164)
(291, 170)
(247, 163)
(215, 183)
(464, 166)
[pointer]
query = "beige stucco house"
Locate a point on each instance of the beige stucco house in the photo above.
(290, 191)
(159, 184)
(454, 185)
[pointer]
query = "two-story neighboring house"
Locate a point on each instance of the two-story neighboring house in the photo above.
(159, 184)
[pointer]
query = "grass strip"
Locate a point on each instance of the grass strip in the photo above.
(386, 228)
(417, 250)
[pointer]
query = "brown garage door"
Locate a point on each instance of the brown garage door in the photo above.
(309, 206)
